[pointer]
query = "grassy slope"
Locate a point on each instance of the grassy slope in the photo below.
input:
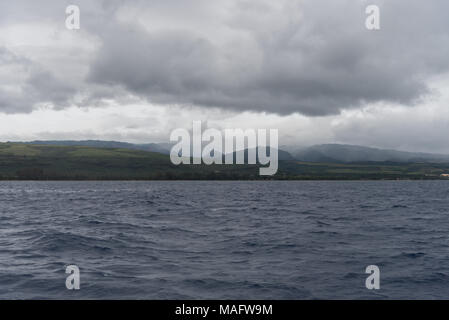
(19, 161)
(36, 162)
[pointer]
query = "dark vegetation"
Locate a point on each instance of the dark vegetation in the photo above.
(20, 161)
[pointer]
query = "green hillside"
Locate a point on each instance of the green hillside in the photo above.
(50, 162)
(44, 162)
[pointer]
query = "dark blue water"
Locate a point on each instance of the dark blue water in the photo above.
(214, 240)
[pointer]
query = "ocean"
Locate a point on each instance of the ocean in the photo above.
(224, 240)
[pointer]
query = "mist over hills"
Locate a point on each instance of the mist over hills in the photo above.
(102, 160)
(163, 148)
(350, 153)
(327, 153)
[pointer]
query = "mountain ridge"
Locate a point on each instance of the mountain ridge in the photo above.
(328, 153)
(345, 153)
(19, 161)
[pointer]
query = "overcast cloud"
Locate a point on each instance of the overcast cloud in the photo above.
(308, 62)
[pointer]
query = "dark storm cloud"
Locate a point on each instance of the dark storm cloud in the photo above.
(25, 84)
(312, 57)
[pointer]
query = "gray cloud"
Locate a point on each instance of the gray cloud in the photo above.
(287, 56)
(26, 84)
(312, 57)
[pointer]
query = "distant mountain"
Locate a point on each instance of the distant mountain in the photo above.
(46, 161)
(282, 155)
(327, 153)
(163, 148)
(19, 161)
(350, 153)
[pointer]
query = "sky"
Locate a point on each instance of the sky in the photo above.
(138, 69)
